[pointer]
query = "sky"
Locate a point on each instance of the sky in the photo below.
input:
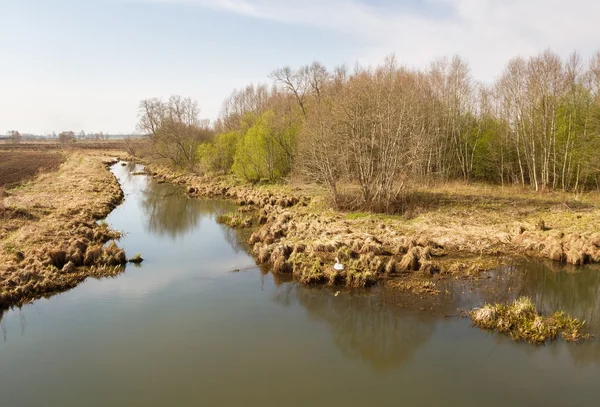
(86, 64)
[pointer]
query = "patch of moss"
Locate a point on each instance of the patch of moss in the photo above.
(357, 215)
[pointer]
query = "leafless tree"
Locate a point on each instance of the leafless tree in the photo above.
(66, 137)
(174, 129)
(298, 82)
(14, 136)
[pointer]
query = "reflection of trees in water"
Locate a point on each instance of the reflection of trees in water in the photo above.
(367, 326)
(554, 287)
(237, 238)
(551, 286)
(170, 212)
(576, 291)
(22, 321)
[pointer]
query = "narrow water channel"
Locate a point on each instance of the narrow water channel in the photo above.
(184, 329)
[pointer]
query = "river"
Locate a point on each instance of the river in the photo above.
(186, 329)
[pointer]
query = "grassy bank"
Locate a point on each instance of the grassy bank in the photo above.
(446, 230)
(49, 236)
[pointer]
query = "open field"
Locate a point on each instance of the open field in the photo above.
(18, 166)
(104, 145)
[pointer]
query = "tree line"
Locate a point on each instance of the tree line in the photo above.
(380, 128)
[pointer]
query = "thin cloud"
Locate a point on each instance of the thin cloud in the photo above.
(487, 33)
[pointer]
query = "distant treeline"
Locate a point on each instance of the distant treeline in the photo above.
(378, 128)
(15, 136)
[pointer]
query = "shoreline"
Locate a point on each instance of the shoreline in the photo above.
(51, 240)
(296, 234)
(291, 237)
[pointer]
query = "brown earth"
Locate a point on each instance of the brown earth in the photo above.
(18, 166)
(49, 145)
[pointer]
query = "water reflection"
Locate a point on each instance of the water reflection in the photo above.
(152, 334)
(171, 213)
(168, 211)
(574, 290)
(385, 328)
(237, 238)
(365, 326)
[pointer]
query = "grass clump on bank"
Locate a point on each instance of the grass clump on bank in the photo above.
(521, 320)
(234, 220)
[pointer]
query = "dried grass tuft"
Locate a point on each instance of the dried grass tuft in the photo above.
(521, 321)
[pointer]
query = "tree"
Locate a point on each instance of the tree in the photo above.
(379, 129)
(218, 155)
(66, 137)
(250, 100)
(320, 157)
(258, 156)
(174, 129)
(14, 136)
(298, 82)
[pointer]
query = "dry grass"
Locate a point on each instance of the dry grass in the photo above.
(235, 220)
(48, 230)
(521, 321)
(450, 229)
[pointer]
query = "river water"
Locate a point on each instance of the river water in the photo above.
(185, 329)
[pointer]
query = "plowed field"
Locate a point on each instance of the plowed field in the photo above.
(17, 166)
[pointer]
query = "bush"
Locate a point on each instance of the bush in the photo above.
(258, 155)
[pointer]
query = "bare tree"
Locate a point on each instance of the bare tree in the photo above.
(66, 137)
(14, 136)
(174, 129)
(538, 125)
(250, 100)
(321, 154)
(297, 82)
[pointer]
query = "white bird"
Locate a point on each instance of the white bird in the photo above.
(338, 266)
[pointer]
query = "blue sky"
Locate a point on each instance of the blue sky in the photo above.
(85, 65)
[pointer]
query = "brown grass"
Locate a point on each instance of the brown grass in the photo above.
(48, 230)
(444, 229)
(521, 321)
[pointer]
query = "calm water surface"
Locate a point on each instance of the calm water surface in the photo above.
(185, 330)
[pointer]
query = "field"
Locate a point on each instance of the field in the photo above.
(48, 145)
(17, 166)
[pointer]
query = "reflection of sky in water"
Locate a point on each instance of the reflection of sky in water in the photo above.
(183, 330)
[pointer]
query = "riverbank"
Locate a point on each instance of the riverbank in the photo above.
(50, 240)
(454, 231)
